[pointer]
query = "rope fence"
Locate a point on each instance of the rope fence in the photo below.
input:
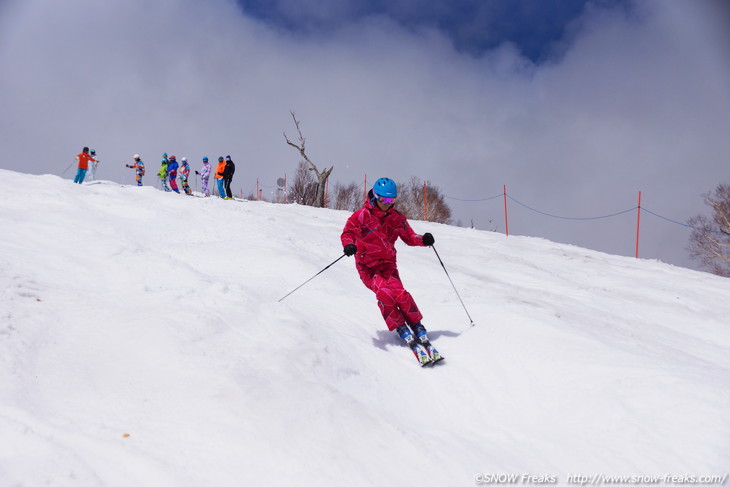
(282, 188)
(638, 208)
(571, 217)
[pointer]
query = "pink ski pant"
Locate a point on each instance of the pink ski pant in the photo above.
(395, 303)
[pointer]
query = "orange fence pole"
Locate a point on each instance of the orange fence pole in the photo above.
(638, 223)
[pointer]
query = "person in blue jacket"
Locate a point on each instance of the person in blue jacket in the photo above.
(172, 172)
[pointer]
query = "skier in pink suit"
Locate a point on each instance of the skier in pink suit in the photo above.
(370, 234)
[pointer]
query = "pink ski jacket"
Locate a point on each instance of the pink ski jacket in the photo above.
(375, 232)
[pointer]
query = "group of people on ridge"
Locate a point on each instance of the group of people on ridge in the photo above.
(170, 170)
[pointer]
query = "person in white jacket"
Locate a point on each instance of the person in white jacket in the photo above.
(92, 167)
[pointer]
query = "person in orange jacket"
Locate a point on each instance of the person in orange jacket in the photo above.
(83, 166)
(219, 177)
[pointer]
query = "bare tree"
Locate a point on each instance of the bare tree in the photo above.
(321, 175)
(410, 199)
(410, 202)
(304, 187)
(347, 197)
(710, 239)
(437, 208)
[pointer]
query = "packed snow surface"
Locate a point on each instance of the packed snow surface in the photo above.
(142, 344)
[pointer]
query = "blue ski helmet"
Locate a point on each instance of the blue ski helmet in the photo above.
(385, 187)
(205, 159)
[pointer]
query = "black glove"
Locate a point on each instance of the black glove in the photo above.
(350, 249)
(428, 239)
(196, 172)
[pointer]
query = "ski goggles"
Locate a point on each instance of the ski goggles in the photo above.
(387, 200)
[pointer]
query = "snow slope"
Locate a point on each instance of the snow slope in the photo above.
(142, 344)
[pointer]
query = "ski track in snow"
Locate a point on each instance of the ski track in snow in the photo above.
(129, 311)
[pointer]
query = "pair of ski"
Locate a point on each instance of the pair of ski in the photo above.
(426, 355)
(420, 345)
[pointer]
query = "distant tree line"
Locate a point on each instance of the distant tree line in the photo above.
(350, 197)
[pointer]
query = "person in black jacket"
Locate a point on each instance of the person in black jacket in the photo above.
(228, 176)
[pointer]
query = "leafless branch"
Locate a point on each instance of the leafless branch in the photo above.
(321, 175)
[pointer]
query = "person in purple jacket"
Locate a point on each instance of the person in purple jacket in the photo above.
(204, 174)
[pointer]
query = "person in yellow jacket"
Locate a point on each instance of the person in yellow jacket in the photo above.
(219, 176)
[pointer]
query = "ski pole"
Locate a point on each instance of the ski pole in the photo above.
(452, 285)
(69, 167)
(320, 272)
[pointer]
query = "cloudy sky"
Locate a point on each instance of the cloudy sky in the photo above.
(576, 106)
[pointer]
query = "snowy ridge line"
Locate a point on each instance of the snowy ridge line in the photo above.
(563, 217)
